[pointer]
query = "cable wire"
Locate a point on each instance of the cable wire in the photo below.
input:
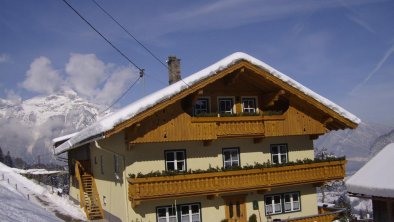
(131, 35)
(124, 93)
(109, 42)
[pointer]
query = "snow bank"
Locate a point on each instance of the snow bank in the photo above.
(14, 205)
(97, 129)
(375, 178)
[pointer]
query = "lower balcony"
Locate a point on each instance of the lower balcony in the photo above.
(216, 183)
(327, 216)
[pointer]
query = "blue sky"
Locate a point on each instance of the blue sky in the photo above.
(342, 50)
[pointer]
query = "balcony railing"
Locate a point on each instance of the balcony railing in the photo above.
(228, 126)
(215, 183)
(324, 217)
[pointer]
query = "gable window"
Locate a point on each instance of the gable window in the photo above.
(184, 213)
(249, 105)
(279, 153)
(175, 160)
(282, 203)
(201, 106)
(231, 157)
(226, 105)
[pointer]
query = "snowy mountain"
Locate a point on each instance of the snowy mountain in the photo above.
(357, 145)
(27, 127)
(381, 142)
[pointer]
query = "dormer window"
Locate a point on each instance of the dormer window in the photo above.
(226, 105)
(201, 106)
(249, 105)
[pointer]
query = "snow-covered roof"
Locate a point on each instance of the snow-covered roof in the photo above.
(98, 129)
(63, 138)
(375, 178)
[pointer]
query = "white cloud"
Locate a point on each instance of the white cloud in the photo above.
(4, 58)
(97, 81)
(116, 85)
(92, 79)
(13, 97)
(41, 77)
(85, 74)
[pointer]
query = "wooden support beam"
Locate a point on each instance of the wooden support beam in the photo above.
(327, 121)
(232, 78)
(263, 191)
(207, 142)
(130, 146)
(257, 139)
(319, 184)
(270, 98)
(212, 196)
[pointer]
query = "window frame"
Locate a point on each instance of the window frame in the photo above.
(175, 161)
(282, 199)
(279, 153)
(178, 211)
(101, 164)
(255, 98)
(116, 164)
(208, 99)
(231, 149)
(233, 109)
(292, 202)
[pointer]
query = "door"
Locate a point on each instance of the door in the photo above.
(235, 209)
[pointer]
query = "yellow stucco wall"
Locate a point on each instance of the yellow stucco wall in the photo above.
(150, 157)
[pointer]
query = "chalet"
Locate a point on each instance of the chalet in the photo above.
(375, 181)
(232, 141)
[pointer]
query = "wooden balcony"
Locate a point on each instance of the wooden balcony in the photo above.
(321, 217)
(216, 183)
(237, 125)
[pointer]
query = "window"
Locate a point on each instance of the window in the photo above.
(230, 157)
(175, 160)
(279, 153)
(116, 164)
(184, 212)
(201, 106)
(249, 105)
(101, 164)
(166, 214)
(273, 204)
(292, 202)
(226, 105)
(190, 212)
(282, 203)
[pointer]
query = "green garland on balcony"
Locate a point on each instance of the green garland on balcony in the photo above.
(256, 165)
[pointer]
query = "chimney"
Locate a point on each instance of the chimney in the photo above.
(174, 69)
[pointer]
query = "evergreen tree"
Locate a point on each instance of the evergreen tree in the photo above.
(1, 156)
(8, 160)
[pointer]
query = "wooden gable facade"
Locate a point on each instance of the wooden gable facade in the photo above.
(280, 110)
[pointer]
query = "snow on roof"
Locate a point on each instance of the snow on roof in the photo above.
(98, 129)
(38, 171)
(375, 178)
(62, 138)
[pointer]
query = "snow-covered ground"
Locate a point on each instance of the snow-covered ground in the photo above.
(336, 190)
(22, 199)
